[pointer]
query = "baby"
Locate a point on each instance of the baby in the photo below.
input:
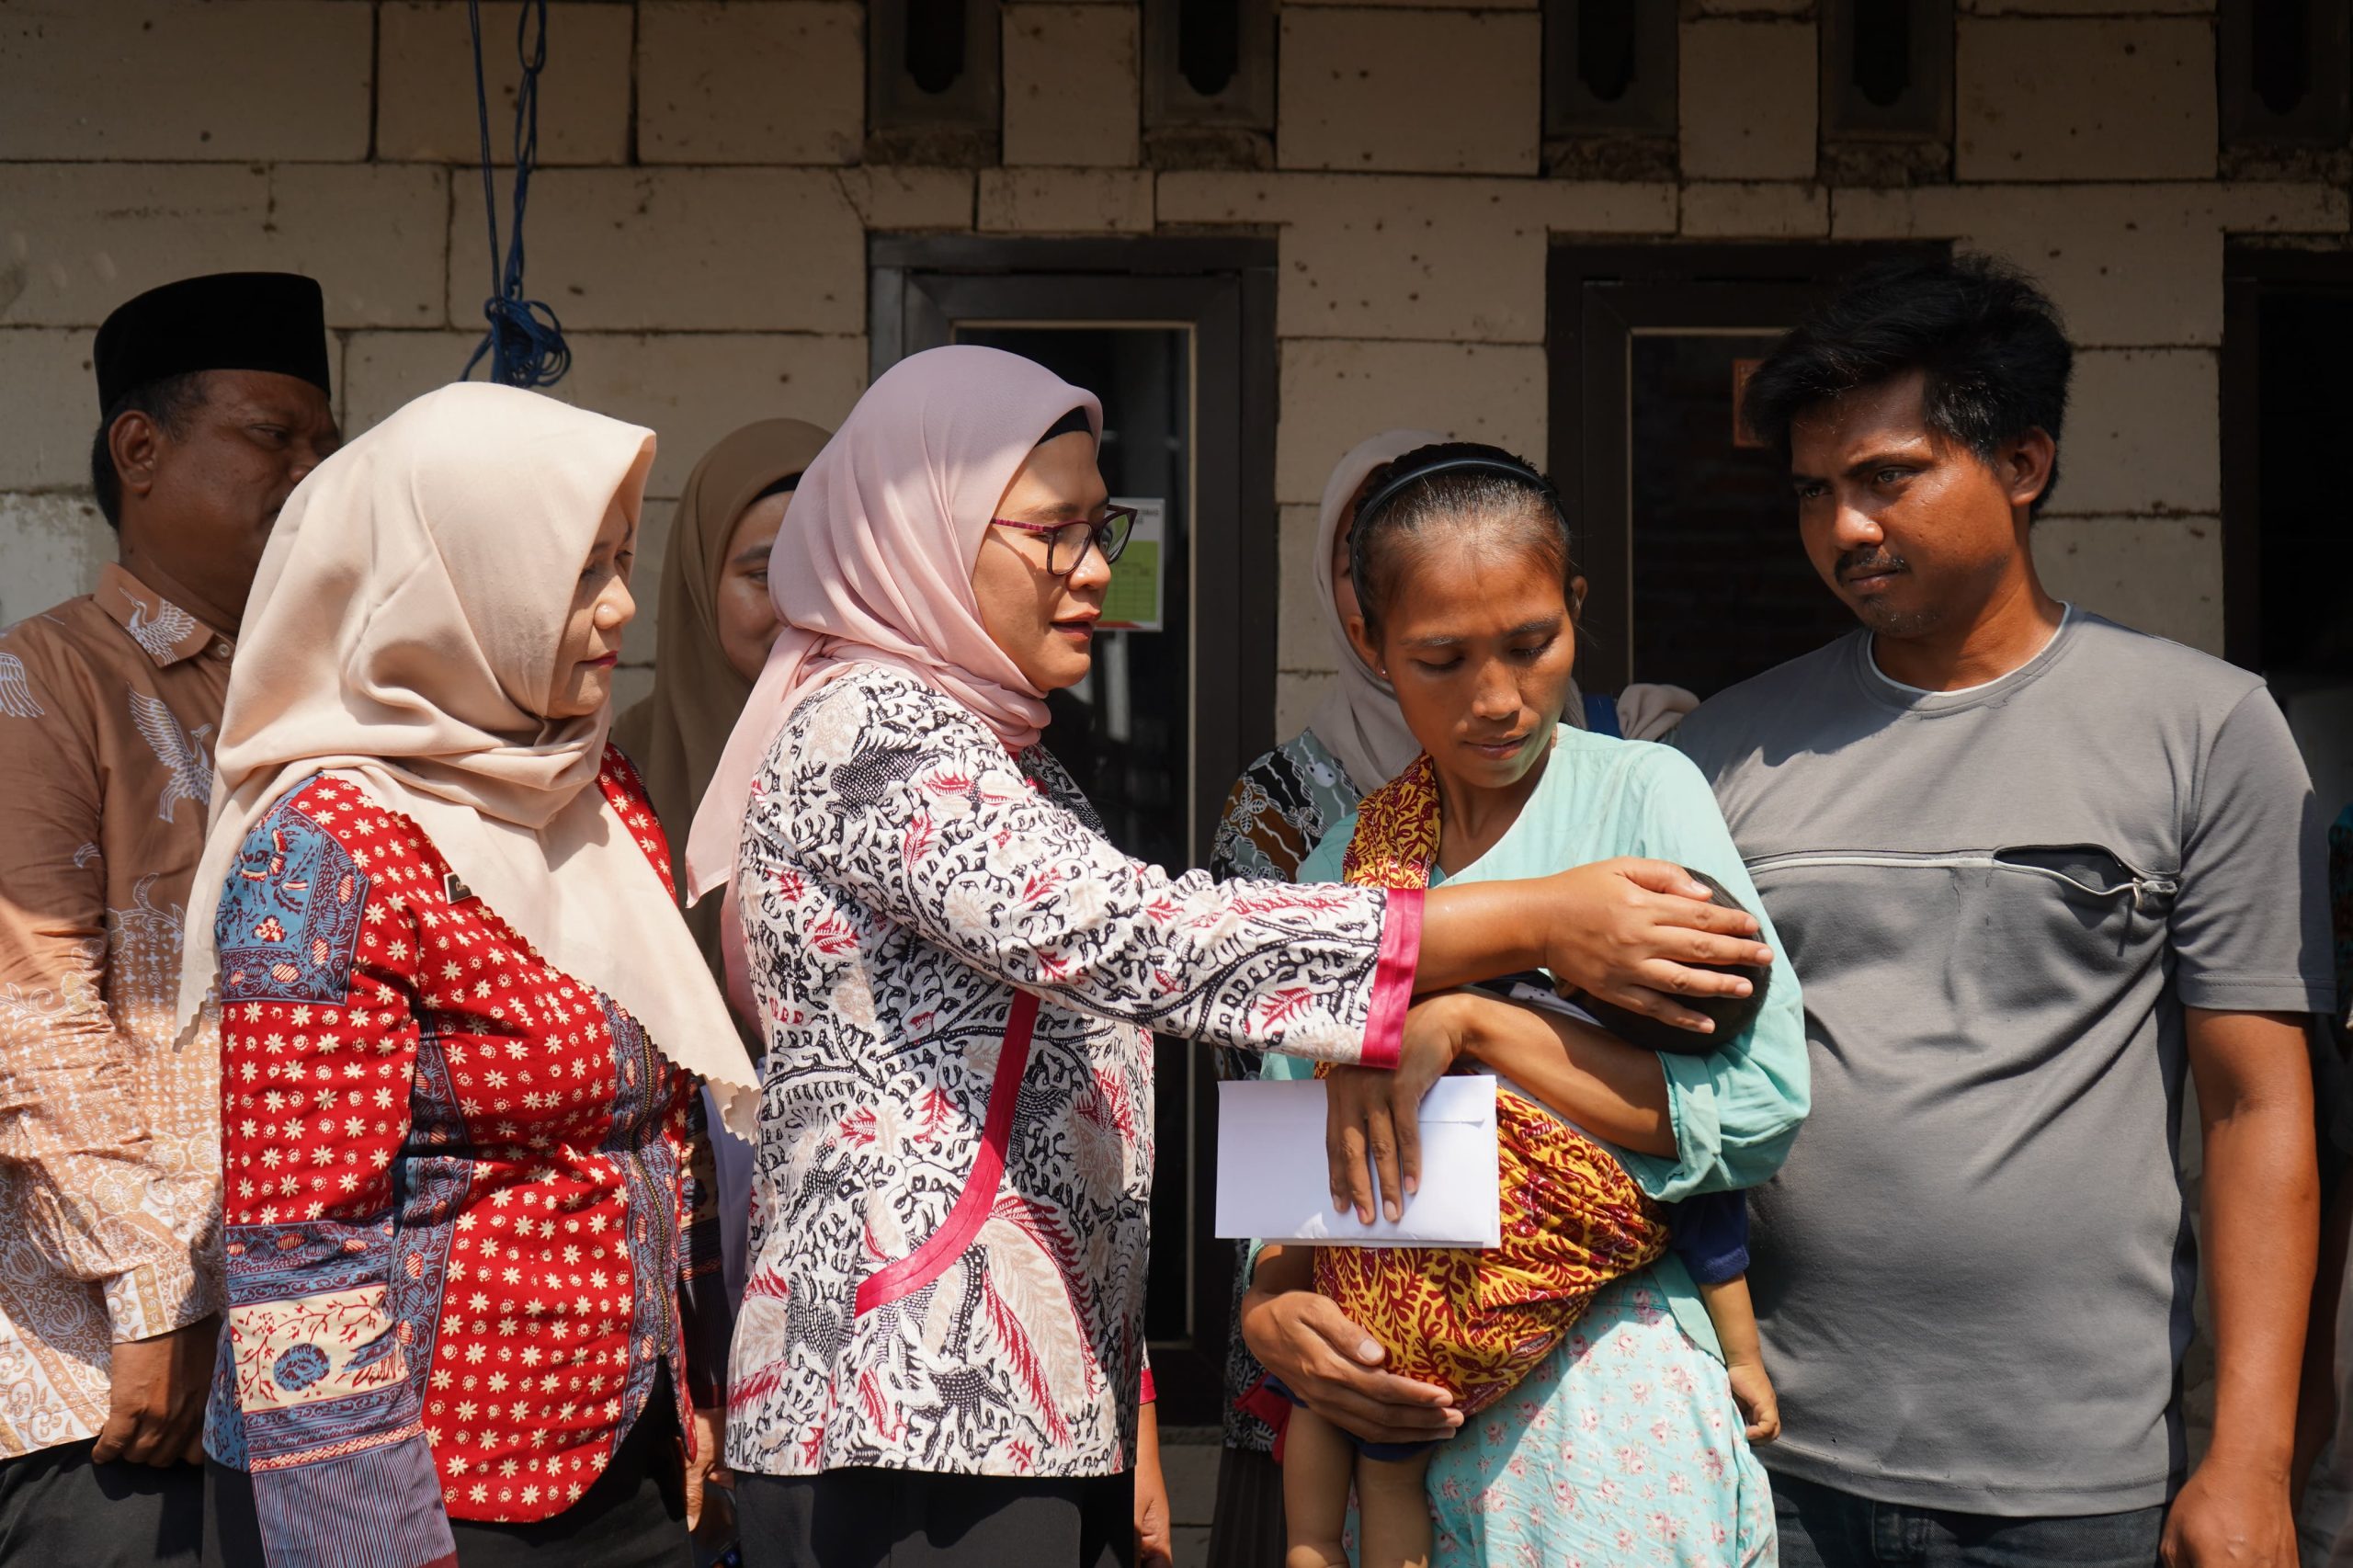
(1476, 1322)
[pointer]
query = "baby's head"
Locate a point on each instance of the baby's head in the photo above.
(1732, 1013)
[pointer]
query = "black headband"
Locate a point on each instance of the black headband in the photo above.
(785, 486)
(1501, 466)
(1074, 423)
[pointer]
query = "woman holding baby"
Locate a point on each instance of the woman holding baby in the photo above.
(1601, 1364)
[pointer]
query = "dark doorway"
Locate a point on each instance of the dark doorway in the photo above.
(1685, 528)
(1177, 337)
(2287, 524)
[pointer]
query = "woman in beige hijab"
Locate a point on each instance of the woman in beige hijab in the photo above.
(472, 1256)
(716, 622)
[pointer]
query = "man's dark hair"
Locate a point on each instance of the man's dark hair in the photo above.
(1987, 341)
(169, 401)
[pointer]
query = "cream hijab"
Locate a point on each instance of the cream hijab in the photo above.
(1358, 720)
(402, 632)
(676, 733)
(876, 564)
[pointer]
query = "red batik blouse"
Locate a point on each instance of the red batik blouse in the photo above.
(470, 1209)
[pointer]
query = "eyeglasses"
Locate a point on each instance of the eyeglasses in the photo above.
(1067, 542)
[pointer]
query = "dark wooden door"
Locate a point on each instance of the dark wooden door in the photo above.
(2287, 521)
(1177, 338)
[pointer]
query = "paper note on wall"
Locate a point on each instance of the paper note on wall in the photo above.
(1132, 603)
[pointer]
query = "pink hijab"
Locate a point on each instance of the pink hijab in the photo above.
(877, 567)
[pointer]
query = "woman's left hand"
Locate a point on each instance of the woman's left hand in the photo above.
(1372, 1128)
(704, 1467)
(1153, 1546)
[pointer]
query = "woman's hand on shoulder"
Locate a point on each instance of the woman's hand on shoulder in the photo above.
(1628, 931)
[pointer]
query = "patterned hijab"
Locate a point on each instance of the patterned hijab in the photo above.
(877, 567)
(676, 735)
(1358, 720)
(402, 632)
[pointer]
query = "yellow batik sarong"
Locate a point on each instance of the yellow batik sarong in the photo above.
(1476, 1322)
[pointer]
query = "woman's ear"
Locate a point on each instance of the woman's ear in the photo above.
(1362, 641)
(1576, 598)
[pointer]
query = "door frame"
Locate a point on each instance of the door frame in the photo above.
(1665, 284)
(2250, 272)
(1224, 289)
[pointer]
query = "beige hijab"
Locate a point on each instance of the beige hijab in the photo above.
(402, 632)
(1358, 721)
(676, 735)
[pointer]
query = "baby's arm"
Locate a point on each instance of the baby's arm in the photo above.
(1613, 1090)
(1734, 1317)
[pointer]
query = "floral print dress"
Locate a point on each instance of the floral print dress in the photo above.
(958, 977)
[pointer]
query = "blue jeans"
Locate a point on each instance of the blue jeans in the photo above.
(1824, 1528)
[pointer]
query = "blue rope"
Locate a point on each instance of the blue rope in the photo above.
(525, 341)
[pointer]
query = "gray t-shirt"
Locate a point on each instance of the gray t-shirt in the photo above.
(1973, 1275)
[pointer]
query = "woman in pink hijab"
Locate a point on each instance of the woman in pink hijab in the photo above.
(941, 1352)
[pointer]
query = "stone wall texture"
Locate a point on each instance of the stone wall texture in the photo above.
(703, 213)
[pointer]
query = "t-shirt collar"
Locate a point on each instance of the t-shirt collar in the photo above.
(164, 633)
(1889, 689)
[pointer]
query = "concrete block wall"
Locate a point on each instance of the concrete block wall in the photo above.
(701, 214)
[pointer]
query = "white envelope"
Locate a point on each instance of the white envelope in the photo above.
(1272, 1180)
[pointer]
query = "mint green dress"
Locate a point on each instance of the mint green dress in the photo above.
(1624, 1447)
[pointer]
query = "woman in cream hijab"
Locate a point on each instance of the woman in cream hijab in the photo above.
(472, 1245)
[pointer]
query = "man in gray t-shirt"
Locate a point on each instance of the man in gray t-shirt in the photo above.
(2030, 867)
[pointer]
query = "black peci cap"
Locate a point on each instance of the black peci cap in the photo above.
(226, 321)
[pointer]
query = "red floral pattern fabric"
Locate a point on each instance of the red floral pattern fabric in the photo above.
(470, 1210)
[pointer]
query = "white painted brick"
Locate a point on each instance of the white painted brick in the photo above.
(678, 250)
(2144, 434)
(2113, 98)
(888, 198)
(2129, 265)
(1723, 210)
(1296, 694)
(1413, 256)
(226, 79)
(1071, 92)
(688, 388)
(425, 101)
(1065, 201)
(49, 405)
(51, 548)
(1301, 642)
(1420, 92)
(778, 82)
(78, 239)
(2156, 575)
(1335, 393)
(1748, 99)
